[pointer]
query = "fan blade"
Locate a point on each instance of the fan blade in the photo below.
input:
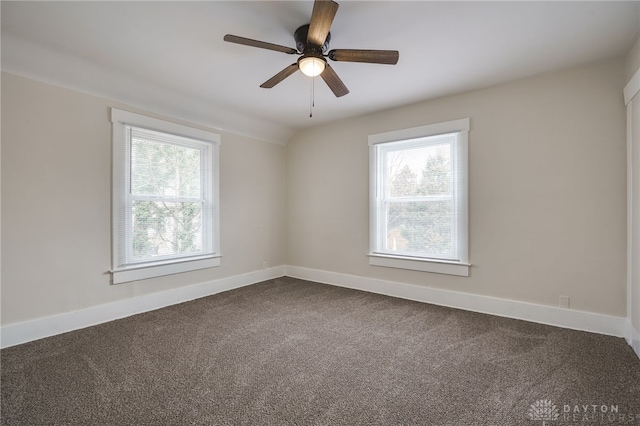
(280, 76)
(333, 81)
(321, 19)
(389, 57)
(257, 43)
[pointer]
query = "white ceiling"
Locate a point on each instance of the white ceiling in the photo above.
(169, 57)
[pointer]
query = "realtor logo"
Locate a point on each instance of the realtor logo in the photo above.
(544, 410)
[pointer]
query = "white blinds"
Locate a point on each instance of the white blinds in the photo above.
(165, 209)
(419, 193)
(417, 198)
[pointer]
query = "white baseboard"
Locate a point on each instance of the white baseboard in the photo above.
(634, 339)
(15, 334)
(567, 318)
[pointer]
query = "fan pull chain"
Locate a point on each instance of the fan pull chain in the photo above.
(313, 96)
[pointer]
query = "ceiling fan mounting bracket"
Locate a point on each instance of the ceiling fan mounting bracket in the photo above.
(300, 36)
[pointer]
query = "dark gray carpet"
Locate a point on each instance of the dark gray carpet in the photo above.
(288, 351)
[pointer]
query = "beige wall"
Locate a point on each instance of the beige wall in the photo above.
(56, 171)
(547, 196)
(635, 283)
(633, 65)
(547, 190)
(633, 60)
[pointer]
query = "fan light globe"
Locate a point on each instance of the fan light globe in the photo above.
(311, 65)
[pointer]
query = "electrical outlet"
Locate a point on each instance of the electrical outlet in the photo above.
(564, 302)
(265, 265)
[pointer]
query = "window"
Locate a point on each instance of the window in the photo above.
(419, 198)
(165, 197)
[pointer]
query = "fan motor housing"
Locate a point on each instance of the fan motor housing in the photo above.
(300, 36)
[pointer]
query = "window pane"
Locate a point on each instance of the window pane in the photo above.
(163, 229)
(164, 170)
(420, 228)
(419, 171)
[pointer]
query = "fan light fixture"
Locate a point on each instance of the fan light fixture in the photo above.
(311, 65)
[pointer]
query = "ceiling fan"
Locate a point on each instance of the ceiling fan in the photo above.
(312, 43)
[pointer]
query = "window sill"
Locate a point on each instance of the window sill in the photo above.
(135, 273)
(417, 264)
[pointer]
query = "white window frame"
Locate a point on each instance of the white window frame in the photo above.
(381, 257)
(121, 199)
